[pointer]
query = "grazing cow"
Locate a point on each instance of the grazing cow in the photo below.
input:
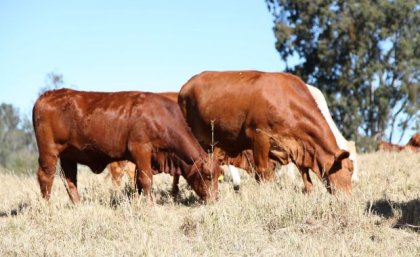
(414, 140)
(389, 147)
(274, 114)
(95, 129)
(341, 141)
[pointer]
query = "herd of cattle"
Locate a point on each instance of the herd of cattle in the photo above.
(245, 119)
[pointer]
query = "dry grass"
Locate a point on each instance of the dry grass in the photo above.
(274, 219)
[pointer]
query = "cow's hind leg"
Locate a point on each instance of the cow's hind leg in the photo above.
(70, 174)
(46, 171)
(142, 157)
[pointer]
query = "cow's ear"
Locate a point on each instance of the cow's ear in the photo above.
(342, 154)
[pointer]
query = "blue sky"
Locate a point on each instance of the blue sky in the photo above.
(128, 45)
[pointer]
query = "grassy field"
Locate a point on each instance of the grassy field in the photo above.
(381, 218)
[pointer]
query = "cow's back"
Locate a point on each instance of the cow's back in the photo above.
(95, 125)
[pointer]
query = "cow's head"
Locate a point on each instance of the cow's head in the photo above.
(339, 175)
(203, 179)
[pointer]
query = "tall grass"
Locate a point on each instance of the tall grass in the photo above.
(381, 218)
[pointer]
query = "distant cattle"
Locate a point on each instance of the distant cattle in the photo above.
(95, 129)
(274, 114)
(414, 140)
(385, 146)
(413, 145)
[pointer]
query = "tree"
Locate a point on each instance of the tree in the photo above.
(53, 80)
(362, 54)
(17, 146)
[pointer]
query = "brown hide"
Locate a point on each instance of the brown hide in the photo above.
(385, 146)
(410, 146)
(95, 129)
(273, 114)
(414, 140)
(173, 96)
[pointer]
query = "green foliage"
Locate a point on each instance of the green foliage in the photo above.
(363, 55)
(17, 143)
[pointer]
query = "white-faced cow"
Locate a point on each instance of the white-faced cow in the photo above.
(274, 114)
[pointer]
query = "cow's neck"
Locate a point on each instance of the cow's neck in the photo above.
(188, 149)
(304, 154)
(323, 107)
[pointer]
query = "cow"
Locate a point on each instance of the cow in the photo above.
(274, 114)
(97, 128)
(414, 140)
(341, 141)
(389, 147)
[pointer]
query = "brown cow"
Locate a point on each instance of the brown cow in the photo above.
(411, 146)
(389, 147)
(95, 129)
(274, 114)
(414, 140)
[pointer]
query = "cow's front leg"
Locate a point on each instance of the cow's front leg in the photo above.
(261, 148)
(307, 182)
(175, 186)
(145, 181)
(70, 174)
(142, 156)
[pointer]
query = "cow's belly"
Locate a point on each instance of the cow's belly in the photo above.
(95, 160)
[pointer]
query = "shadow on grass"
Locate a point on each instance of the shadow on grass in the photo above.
(14, 212)
(407, 214)
(161, 197)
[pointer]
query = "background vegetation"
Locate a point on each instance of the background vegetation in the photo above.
(381, 218)
(363, 55)
(18, 150)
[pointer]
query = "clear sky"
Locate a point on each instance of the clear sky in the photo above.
(128, 45)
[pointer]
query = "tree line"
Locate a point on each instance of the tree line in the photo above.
(18, 150)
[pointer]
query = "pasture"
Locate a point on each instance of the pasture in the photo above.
(381, 218)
